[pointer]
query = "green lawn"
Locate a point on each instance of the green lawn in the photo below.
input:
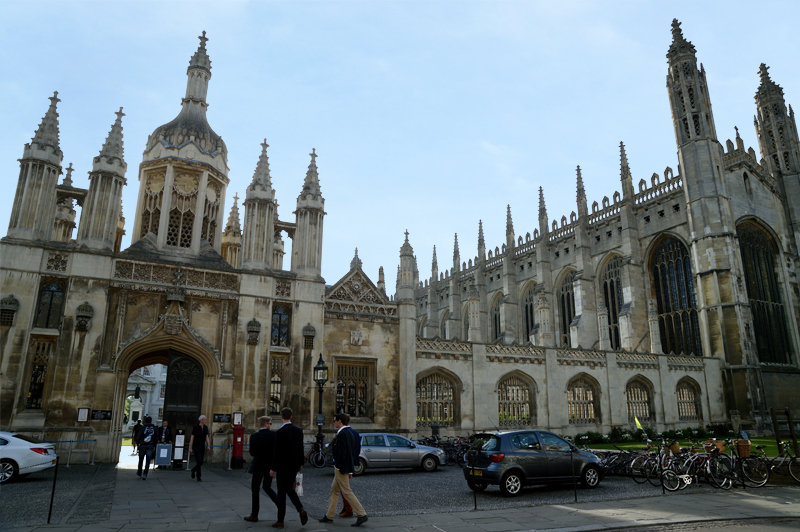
(771, 446)
(126, 442)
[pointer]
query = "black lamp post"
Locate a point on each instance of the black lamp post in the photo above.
(320, 377)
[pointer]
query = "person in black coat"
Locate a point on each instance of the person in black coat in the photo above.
(343, 445)
(262, 447)
(164, 436)
(287, 461)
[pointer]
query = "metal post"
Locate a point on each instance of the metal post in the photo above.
(94, 448)
(53, 493)
(572, 467)
(320, 437)
(69, 454)
(230, 456)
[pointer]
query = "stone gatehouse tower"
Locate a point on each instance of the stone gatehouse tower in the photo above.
(672, 302)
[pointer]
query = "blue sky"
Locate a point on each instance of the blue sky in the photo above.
(426, 116)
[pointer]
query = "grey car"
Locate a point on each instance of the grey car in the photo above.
(381, 450)
(514, 459)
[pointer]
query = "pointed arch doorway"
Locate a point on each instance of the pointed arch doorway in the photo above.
(183, 397)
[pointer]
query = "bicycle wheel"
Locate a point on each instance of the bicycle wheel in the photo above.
(638, 473)
(672, 481)
(754, 471)
(794, 469)
(318, 459)
(720, 472)
(652, 472)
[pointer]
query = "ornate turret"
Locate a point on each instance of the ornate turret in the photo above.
(434, 268)
(103, 205)
(33, 210)
(581, 197)
(776, 128)
(456, 255)
(232, 237)
(259, 217)
(307, 244)
(543, 229)
(481, 242)
(509, 229)
(688, 91)
(405, 272)
(356, 262)
(625, 174)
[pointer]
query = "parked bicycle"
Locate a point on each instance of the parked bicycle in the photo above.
(316, 455)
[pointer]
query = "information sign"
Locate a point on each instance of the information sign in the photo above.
(101, 415)
(320, 420)
(83, 414)
(163, 454)
(222, 418)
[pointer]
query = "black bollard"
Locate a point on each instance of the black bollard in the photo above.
(53, 494)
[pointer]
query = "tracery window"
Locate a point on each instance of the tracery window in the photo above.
(759, 257)
(638, 395)
(277, 364)
(612, 297)
(515, 402)
(528, 313)
(443, 324)
(151, 208)
(181, 215)
(688, 401)
(281, 321)
(582, 402)
(51, 305)
(496, 328)
(41, 358)
(210, 213)
(437, 400)
(676, 300)
(354, 389)
(566, 304)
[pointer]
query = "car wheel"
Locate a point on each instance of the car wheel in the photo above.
(477, 486)
(359, 468)
(590, 477)
(430, 463)
(511, 484)
(8, 470)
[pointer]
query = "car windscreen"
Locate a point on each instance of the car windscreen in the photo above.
(485, 442)
(28, 439)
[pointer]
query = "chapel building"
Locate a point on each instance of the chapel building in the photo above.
(672, 304)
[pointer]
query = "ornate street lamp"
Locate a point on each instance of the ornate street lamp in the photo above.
(320, 377)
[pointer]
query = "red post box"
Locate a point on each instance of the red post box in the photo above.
(237, 449)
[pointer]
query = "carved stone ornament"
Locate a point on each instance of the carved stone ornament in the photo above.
(356, 338)
(253, 330)
(309, 330)
(283, 289)
(83, 316)
(57, 261)
(9, 303)
(173, 323)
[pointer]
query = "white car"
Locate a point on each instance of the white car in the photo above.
(21, 455)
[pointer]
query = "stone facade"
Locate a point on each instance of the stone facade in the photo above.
(672, 302)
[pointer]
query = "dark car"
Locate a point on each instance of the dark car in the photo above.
(514, 459)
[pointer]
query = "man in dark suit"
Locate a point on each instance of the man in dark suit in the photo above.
(286, 463)
(164, 436)
(262, 447)
(343, 458)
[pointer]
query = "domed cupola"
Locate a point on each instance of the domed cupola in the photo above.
(184, 173)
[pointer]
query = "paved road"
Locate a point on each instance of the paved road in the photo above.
(741, 525)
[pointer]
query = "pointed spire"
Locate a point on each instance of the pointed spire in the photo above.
(200, 57)
(434, 265)
(356, 262)
(509, 222)
(68, 178)
(625, 172)
(763, 72)
(406, 248)
(679, 43)
(47, 132)
(456, 254)
(542, 206)
(234, 226)
(311, 183)
(381, 281)
(261, 176)
(113, 146)
(481, 241)
(581, 192)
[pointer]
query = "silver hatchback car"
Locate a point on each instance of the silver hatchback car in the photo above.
(381, 449)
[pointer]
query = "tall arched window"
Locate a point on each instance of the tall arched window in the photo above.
(676, 301)
(281, 320)
(688, 395)
(566, 307)
(51, 305)
(638, 395)
(528, 313)
(759, 256)
(443, 324)
(496, 326)
(465, 323)
(515, 402)
(582, 402)
(612, 297)
(437, 401)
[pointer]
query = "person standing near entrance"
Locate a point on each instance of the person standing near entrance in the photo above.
(286, 463)
(343, 471)
(262, 447)
(199, 444)
(164, 437)
(146, 440)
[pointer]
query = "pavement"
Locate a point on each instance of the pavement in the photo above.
(170, 500)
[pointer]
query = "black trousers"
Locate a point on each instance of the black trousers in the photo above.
(259, 478)
(285, 482)
(198, 458)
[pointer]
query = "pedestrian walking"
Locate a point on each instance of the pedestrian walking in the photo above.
(347, 510)
(146, 441)
(262, 448)
(134, 435)
(199, 444)
(343, 471)
(287, 461)
(164, 436)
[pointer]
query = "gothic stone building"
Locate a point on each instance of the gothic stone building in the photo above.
(673, 302)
